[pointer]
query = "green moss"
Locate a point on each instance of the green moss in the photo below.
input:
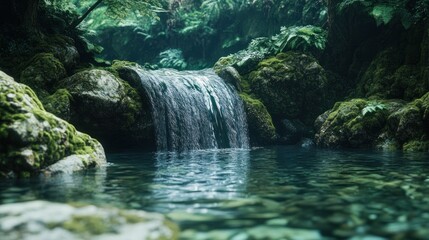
(222, 63)
(31, 138)
(42, 72)
(118, 65)
(93, 225)
(416, 146)
(292, 85)
(387, 78)
(348, 125)
(131, 218)
(59, 104)
(261, 127)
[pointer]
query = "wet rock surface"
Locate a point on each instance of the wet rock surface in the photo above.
(101, 101)
(49, 220)
(32, 140)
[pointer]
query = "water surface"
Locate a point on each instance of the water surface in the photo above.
(267, 193)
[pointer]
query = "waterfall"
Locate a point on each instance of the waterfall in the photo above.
(194, 110)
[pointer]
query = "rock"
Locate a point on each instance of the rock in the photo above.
(243, 61)
(59, 104)
(388, 78)
(292, 131)
(416, 146)
(102, 101)
(42, 72)
(32, 139)
(354, 123)
(292, 85)
(406, 123)
(261, 128)
(48, 220)
(383, 124)
(231, 76)
(63, 48)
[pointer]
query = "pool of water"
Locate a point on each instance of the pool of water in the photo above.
(266, 193)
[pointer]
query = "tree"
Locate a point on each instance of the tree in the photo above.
(25, 13)
(121, 8)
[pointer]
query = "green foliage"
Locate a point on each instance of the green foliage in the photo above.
(172, 58)
(303, 38)
(122, 8)
(373, 107)
(384, 11)
(115, 9)
(214, 8)
(195, 23)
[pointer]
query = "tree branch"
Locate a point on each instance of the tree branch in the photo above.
(80, 20)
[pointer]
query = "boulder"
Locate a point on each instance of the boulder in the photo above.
(62, 47)
(42, 72)
(292, 85)
(107, 108)
(59, 104)
(383, 124)
(292, 131)
(49, 220)
(261, 128)
(32, 140)
(387, 77)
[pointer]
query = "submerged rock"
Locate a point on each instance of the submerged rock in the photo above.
(48, 220)
(261, 128)
(106, 107)
(32, 140)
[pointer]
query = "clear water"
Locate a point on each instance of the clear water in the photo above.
(270, 193)
(194, 110)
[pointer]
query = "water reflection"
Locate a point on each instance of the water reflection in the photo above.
(196, 179)
(274, 193)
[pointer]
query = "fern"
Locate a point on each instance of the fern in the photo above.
(303, 38)
(373, 107)
(214, 8)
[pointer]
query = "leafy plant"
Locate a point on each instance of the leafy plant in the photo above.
(214, 8)
(384, 11)
(303, 38)
(373, 107)
(172, 58)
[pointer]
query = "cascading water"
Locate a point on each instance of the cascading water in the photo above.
(194, 110)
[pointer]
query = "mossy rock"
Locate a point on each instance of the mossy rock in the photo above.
(42, 72)
(384, 124)
(406, 123)
(62, 47)
(354, 123)
(292, 85)
(59, 104)
(387, 78)
(123, 70)
(261, 127)
(33, 140)
(82, 222)
(416, 146)
(102, 101)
